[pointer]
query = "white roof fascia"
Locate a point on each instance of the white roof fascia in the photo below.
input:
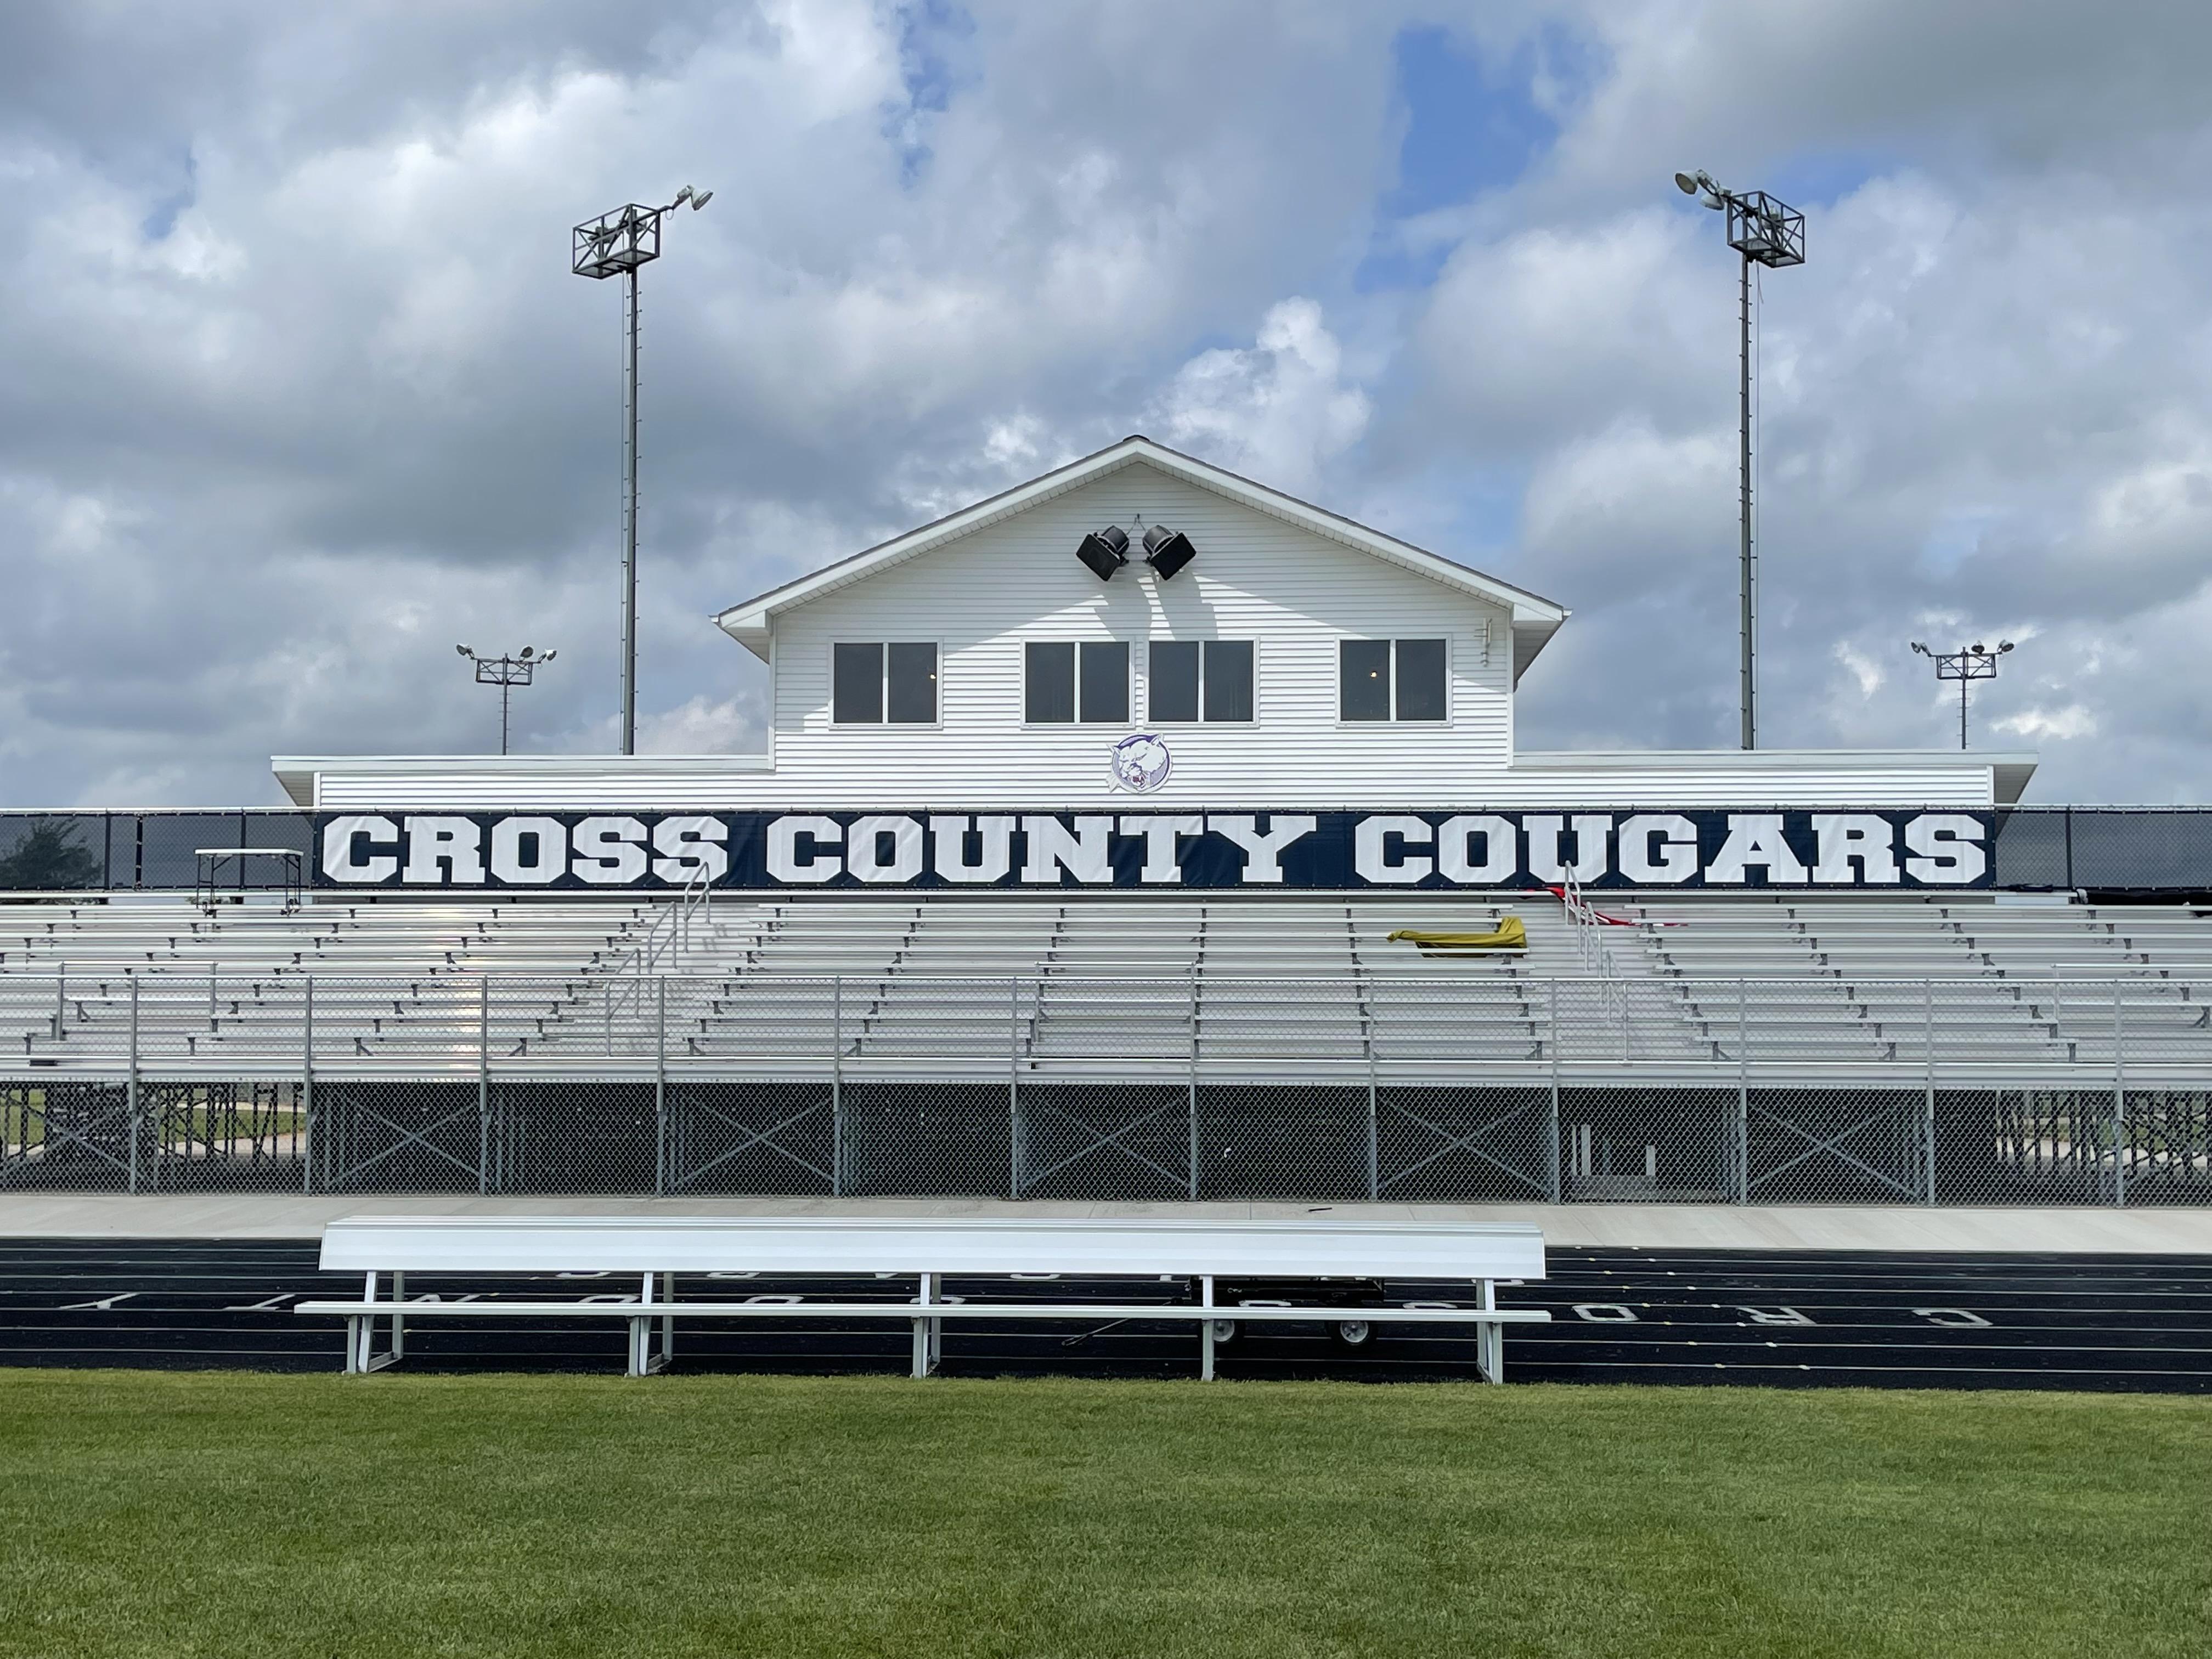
(750, 623)
(2009, 769)
(297, 773)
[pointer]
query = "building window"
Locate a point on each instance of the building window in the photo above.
(871, 685)
(1199, 679)
(1064, 683)
(1391, 679)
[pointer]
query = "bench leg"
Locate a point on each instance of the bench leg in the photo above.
(643, 1361)
(1205, 1332)
(929, 1334)
(362, 1356)
(1490, 1337)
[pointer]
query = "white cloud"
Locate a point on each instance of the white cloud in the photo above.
(1279, 411)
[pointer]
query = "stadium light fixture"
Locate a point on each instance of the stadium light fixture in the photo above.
(507, 673)
(1167, 551)
(1969, 663)
(1104, 551)
(615, 244)
(1770, 233)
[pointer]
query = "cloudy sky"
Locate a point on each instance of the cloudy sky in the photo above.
(300, 391)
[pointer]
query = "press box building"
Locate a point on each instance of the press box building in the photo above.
(1143, 673)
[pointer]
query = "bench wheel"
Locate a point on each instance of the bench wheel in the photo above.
(1351, 1332)
(1224, 1330)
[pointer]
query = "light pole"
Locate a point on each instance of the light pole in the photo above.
(1968, 663)
(620, 241)
(1768, 233)
(507, 673)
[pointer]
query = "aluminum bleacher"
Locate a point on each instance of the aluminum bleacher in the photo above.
(1671, 1048)
(1093, 986)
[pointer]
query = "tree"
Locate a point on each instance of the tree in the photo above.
(49, 858)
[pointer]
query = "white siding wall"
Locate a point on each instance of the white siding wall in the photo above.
(1256, 577)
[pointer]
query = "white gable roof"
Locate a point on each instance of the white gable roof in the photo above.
(1534, 619)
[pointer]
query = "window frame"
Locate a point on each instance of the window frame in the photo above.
(882, 722)
(1128, 721)
(1393, 721)
(1153, 717)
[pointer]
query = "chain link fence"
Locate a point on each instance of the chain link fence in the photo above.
(1486, 1086)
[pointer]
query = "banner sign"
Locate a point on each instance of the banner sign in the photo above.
(1337, 851)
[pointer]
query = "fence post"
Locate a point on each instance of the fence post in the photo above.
(1928, 1102)
(2119, 1101)
(660, 1087)
(1191, 1086)
(1742, 1094)
(1374, 1124)
(836, 1085)
(307, 1085)
(131, 1088)
(1013, 1085)
(483, 1084)
(1552, 1024)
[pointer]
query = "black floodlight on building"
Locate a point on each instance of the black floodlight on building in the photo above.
(1104, 551)
(1167, 551)
(1769, 233)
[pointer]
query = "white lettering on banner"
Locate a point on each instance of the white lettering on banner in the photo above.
(1754, 838)
(687, 845)
(949, 833)
(1263, 850)
(610, 851)
(783, 861)
(1163, 853)
(1670, 831)
(1501, 849)
(1773, 1316)
(1370, 849)
(453, 842)
(1590, 830)
(339, 862)
(1054, 846)
(546, 839)
(1951, 845)
(1861, 838)
(863, 850)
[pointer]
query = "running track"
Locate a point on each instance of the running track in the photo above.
(1797, 1318)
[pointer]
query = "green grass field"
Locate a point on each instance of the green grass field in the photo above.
(229, 1514)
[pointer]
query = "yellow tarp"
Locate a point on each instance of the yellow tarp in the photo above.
(1511, 936)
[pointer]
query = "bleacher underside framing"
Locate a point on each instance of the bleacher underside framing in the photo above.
(1761, 1049)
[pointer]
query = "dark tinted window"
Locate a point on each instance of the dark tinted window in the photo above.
(1364, 669)
(1174, 680)
(1229, 679)
(1048, 682)
(856, 687)
(912, 684)
(1105, 683)
(1420, 679)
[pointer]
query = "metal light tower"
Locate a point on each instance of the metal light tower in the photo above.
(1768, 233)
(507, 673)
(619, 242)
(1968, 663)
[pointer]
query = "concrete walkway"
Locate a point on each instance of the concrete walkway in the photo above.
(1651, 1226)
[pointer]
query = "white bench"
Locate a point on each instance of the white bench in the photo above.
(387, 1248)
